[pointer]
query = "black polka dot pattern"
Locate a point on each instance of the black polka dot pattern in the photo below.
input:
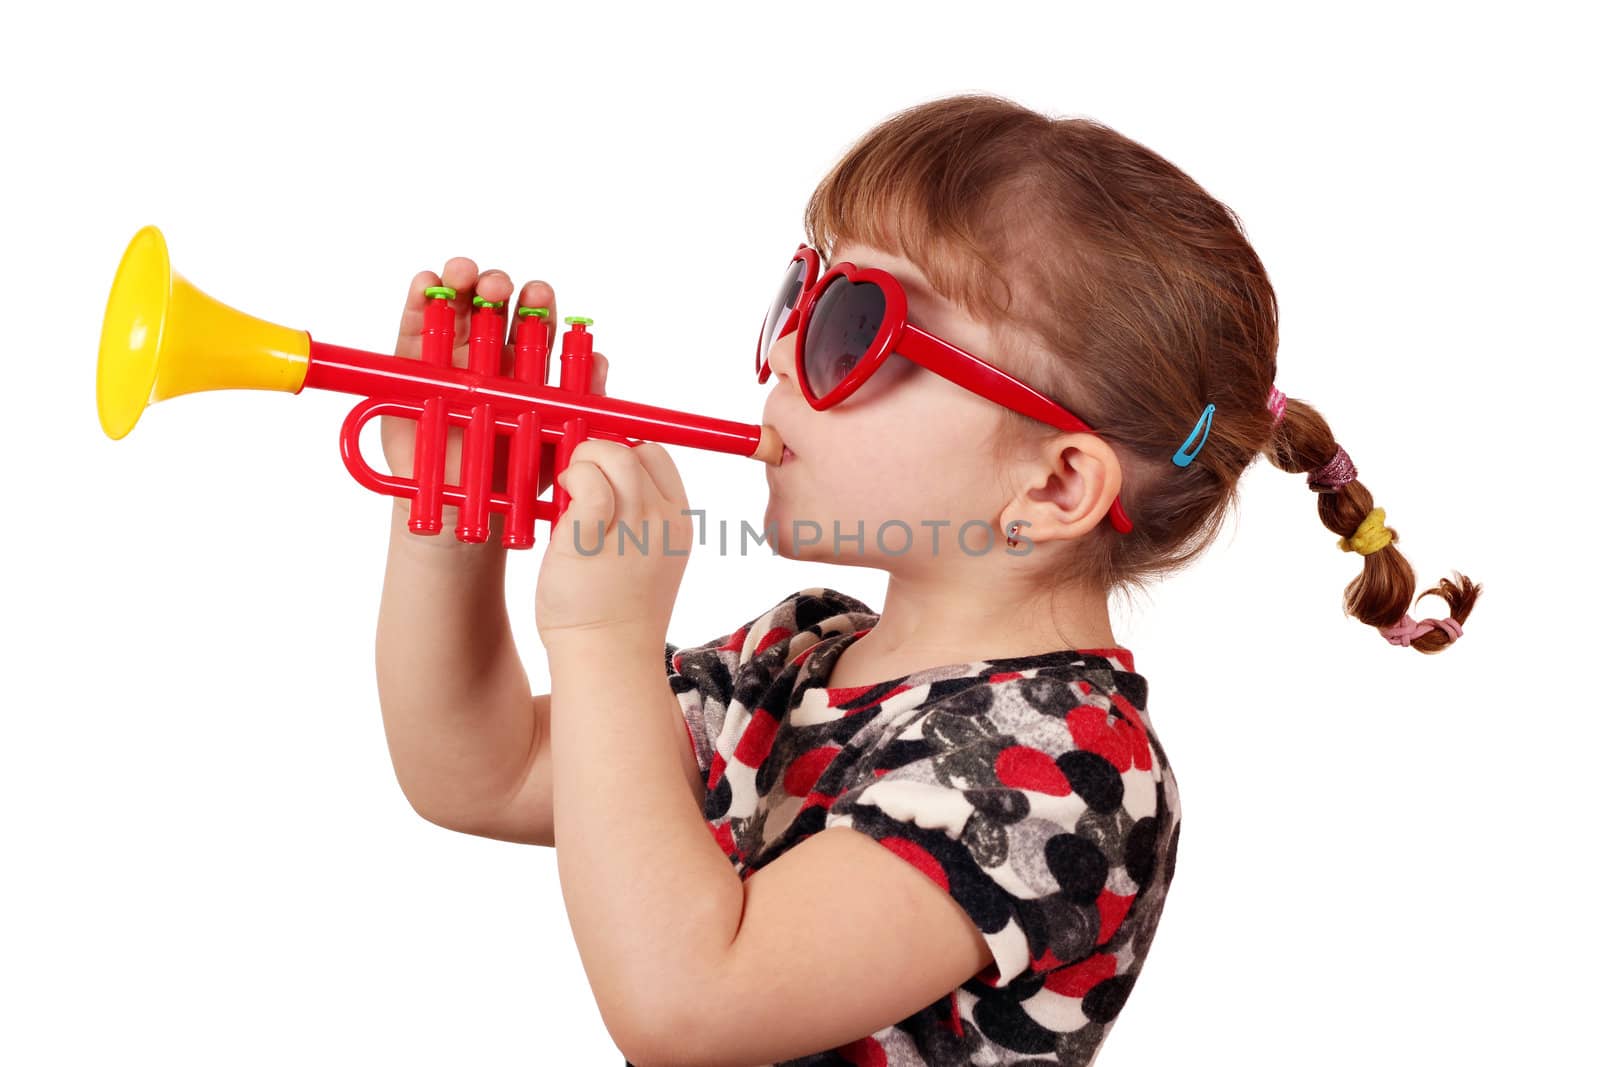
(1032, 789)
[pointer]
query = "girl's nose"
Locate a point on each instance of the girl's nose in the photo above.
(780, 358)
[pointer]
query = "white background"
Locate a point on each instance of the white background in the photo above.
(1385, 856)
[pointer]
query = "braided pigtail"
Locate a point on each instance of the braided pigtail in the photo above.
(1302, 443)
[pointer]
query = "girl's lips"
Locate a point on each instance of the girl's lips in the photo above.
(788, 455)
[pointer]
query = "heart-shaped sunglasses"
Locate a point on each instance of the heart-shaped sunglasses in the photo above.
(852, 319)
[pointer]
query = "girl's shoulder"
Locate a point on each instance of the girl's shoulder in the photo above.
(807, 614)
(819, 602)
(811, 614)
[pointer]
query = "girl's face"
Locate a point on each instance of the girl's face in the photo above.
(908, 448)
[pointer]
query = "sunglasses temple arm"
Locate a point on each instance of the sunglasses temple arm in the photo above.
(992, 383)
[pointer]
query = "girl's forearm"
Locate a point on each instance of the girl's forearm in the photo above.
(457, 708)
(651, 897)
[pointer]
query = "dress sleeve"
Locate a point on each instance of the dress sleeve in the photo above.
(1036, 812)
(707, 678)
(694, 672)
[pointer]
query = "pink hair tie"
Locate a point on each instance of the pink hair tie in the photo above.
(1333, 475)
(1276, 402)
(1408, 629)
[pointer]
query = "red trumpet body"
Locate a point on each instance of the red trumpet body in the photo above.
(162, 337)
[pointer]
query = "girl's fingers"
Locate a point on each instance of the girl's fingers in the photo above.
(494, 285)
(408, 345)
(632, 484)
(663, 472)
(593, 501)
(540, 294)
(533, 295)
(460, 274)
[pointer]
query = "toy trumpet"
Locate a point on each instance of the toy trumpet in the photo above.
(163, 337)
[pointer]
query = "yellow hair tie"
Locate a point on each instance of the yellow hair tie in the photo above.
(1370, 536)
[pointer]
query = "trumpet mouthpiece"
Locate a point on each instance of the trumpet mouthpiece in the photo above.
(770, 450)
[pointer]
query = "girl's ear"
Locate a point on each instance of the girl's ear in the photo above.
(1067, 488)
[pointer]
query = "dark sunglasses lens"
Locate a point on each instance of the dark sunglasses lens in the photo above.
(782, 307)
(844, 320)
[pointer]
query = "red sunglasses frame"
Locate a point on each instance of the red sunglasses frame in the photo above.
(896, 336)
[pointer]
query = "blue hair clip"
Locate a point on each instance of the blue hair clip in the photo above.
(1182, 457)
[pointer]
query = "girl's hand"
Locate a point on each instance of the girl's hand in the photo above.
(617, 576)
(399, 434)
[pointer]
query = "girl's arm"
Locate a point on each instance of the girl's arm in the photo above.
(456, 705)
(527, 817)
(469, 740)
(461, 722)
(837, 938)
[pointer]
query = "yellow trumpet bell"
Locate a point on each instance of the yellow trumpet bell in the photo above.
(162, 337)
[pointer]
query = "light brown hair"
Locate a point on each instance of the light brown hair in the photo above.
(1126, 293)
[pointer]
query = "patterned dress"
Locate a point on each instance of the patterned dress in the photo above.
(1031, 789)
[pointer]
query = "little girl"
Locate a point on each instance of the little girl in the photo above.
(1020, 363)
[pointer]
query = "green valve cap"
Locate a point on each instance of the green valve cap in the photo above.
(445, 291)
(543, 313)
(480, 302)
(579, 318)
